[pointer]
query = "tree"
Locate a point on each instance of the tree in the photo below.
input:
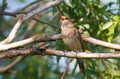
(98, 19)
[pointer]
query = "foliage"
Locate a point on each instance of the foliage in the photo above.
(99, 19)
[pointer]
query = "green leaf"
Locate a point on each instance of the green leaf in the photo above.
(107, 25)
(111, 32)
(116, 18)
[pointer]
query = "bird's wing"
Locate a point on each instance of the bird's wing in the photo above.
(81, 41)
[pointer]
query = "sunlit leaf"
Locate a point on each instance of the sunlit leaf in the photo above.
(111, 32)
(107, 25)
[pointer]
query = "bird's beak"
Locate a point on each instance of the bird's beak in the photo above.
(61, 19)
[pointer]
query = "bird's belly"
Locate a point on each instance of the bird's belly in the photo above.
(73, 43)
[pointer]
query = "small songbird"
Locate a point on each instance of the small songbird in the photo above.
(71, 38)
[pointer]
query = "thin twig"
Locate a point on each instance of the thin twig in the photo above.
(31, 26)
(66, 69)
(14, 14)
(59, 9)
(38, 10)
(30, 4)
(47, 23)
(54, 17)
(7, 68)
(51, 21)
(4, 5)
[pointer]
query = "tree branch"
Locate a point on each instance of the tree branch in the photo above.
(22, 52)
(14, 14)
(35, 38)
(19, 58)
(14, 31)
(66, 69)
(7, 68)
(101, 43)
(84, 55)
(30, 4)
(38, 10)
(70, 54)
(43, 38)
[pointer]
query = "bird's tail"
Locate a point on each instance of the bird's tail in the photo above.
(81, 66)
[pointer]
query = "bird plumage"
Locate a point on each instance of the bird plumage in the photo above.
(71, 38)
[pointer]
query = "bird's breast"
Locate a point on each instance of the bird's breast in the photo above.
(71, 39)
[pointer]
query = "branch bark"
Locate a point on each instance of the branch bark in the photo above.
(43, 38)
(70, 54)
(35, 38)
(101, 43)
(84, 55)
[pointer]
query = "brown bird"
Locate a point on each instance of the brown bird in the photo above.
(72, 38)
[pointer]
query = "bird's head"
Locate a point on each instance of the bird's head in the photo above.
(64, 19)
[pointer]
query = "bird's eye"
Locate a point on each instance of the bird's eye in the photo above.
(66, 18)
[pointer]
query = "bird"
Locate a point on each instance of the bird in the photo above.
(72, 38)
